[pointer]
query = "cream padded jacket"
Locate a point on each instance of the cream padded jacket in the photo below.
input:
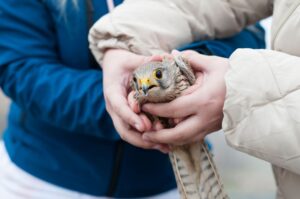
(262, 106)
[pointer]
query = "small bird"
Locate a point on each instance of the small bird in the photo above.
(194, 169)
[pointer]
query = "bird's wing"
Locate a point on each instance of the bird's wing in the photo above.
(186, 69)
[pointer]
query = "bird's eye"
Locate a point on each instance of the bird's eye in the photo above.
(158, 74)
(134, 79)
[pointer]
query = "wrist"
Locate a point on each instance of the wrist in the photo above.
(109, 55)
(226, 69)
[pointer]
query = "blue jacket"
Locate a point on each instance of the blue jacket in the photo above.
(58, 128)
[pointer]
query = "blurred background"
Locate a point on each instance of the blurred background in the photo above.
(244, 177)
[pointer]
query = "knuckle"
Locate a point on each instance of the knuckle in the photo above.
(125, 115)
(115, 106)
(108, 109)
(107, 93)
(131, 121)
(107, 100)
(121, 111)
(146, 146)
(155, 139)
(123, 136)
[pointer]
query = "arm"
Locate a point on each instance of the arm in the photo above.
(262, 111)
(33, 76)
(150, 27)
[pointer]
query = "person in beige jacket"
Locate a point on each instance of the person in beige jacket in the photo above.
(258, 101)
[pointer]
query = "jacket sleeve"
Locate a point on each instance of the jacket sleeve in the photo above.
(155, 26)
(262, 109)
(33, 76)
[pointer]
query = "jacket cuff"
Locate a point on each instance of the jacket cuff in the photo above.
(101, 39)
(250, 85)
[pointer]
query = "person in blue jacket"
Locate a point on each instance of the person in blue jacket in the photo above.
(60, 141)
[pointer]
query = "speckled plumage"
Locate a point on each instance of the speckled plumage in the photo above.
(195, 172)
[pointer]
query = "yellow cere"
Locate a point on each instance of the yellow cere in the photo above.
(145, 81)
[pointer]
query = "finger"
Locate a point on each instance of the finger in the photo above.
(190, 90)
(129, 135)
(195, 86)
(185, 132)
(121, 108)
(190, 53)
(175, 53)
(198, 74)
(146, 121)
(135, 138)
(164, 148)
(180, 107)
(167, 56)
(157, 126)
(197, 61)
(178, 120)
(133, 103)
(153, 58)
(136, 60)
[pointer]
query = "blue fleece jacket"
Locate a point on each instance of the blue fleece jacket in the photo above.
(58, 129)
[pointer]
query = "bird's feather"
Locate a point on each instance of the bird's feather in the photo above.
(195, 172)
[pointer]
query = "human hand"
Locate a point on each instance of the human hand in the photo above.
(201, 106)
(134, 105)
(118, 66)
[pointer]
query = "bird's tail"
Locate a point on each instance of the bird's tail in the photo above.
(196, 173)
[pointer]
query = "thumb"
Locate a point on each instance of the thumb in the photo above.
(197, 61)
(196, 85)
(154, 58)
(175, 53)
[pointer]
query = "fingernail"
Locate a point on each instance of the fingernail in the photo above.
(175, 52)
(165, 151)
(138, 127)
(176, 121)
(158, 127)
(160, 148)
(144, 108)
(157, 147)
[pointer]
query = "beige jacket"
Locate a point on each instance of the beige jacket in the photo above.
(262, 107)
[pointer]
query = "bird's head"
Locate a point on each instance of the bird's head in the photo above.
(154, 80)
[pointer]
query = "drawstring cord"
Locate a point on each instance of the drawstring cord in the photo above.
(110, 4)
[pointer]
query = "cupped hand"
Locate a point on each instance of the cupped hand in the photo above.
(118, 66)
(134, 105)
(200, 106)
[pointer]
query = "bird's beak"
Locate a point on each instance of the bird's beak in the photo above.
(145, 84)
(145, 89)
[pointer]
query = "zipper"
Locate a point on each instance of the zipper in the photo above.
(116, 169)
(120, 144)
(90, 21)
(110, 5)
